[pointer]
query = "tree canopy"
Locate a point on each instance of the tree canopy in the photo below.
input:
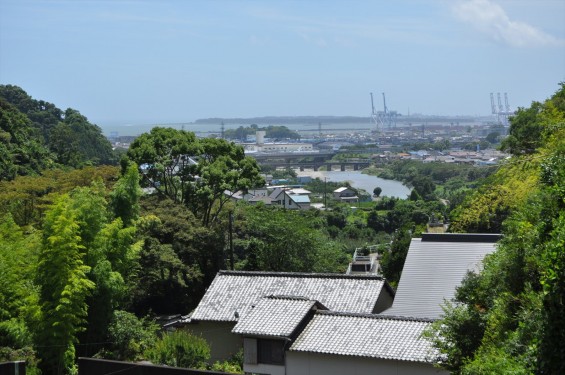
(199, 173)
(38, 135)
(21, 151)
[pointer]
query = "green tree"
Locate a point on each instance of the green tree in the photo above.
(27, 197)
(393, 261)
(163, 156)
(64, 287)
(21, 151)
(19, 254)
(68, 135)
(178, 258)
(221, 166)
(424, 186)
(525, 131)
(124, 198)
(267, 244)
(43, 115)
(194, 172)
(77, 142)
(377, 191)
(130, 337)
(493, 137)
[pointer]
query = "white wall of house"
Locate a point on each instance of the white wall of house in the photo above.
(299, 363)
(344, 193)
(223, 343)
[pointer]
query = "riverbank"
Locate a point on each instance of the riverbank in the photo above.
(358, 180)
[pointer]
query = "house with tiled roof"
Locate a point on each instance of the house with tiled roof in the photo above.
(235, 295)
(348, 343)
(295, 336)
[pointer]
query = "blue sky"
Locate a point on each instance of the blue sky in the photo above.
(146, 62)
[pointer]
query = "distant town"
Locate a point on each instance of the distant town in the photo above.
(456, 139)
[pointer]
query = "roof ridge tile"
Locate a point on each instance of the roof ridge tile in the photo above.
(377, 316)
(300, 274)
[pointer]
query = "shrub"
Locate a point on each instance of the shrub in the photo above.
(180, 349)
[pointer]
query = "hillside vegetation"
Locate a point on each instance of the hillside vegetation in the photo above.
(36, 135)
(510, 318)
(87, 260)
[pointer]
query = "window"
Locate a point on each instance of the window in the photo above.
(271, 351)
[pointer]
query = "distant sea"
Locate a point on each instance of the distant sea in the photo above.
(303, 124)
(208, 129)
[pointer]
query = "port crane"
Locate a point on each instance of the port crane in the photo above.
(502, 112)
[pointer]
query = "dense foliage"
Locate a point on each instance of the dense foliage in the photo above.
(510, 318)
(274, 239)
(87, 260)
(194, 172)
(21, 151)
(35, 135)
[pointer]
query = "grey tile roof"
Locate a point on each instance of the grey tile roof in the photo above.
(363, 335)
(433, 270)
(237, 291)
(274, 316)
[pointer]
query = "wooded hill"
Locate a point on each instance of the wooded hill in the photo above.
(36, 135)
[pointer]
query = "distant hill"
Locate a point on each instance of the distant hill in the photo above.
(277, 120)
(35, 135)
(282, 120)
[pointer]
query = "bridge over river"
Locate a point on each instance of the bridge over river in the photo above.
(307, 160)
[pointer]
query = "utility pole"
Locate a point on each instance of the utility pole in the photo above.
(325, 193)
(231, 239)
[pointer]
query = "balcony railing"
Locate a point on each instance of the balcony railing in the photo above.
(363, 263)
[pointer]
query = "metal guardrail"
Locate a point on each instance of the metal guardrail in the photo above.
(364, 258)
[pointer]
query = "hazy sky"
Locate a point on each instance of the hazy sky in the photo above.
(140, 62)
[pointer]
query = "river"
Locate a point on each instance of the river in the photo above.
(391, 188)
